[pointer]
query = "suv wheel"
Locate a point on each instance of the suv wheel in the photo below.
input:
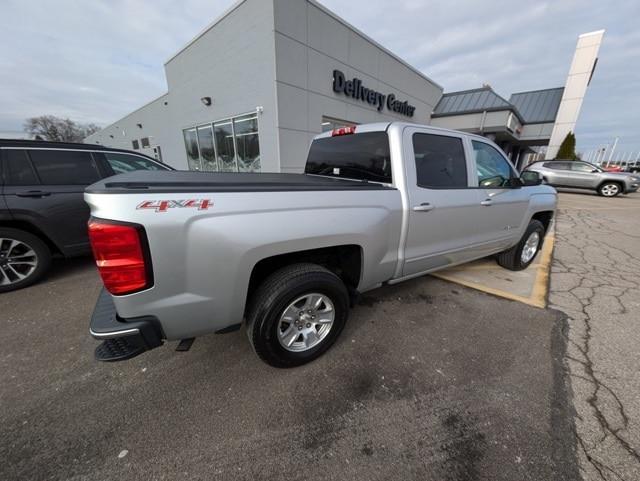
(297, 314)
(522, 254)
(609, 189)
(23, 259)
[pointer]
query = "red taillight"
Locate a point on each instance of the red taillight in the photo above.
(120, 256)
(343, 131)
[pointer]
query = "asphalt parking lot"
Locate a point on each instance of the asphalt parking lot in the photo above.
(429, 381)
(595, 280)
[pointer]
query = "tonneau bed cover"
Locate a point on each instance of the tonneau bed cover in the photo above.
(185, 181)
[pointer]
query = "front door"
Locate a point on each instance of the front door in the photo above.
(442, 229)
(583, 175)
(504, 203)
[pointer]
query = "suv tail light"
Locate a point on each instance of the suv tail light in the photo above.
(121, 253)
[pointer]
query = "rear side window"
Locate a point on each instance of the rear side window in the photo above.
(64, 167)
(440, 161)
(18, 168)
(358, 156)
(555, 165)
(121, 163)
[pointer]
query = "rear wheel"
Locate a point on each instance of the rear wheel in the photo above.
(23, 259)
(297, 314)
(522, 254)
(609, 189)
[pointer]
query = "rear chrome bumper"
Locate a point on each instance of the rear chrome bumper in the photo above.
(122, 338)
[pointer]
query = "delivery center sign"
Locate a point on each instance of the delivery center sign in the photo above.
(355, 89)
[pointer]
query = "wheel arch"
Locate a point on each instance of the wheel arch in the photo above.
(32, 229)
(343, 260)
(545, 217)
(609, 181)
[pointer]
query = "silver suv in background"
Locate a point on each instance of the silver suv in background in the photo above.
(583, 175)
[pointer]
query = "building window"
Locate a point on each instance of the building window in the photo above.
(229, 145)
(144, 141)
(329, 123)
(247, 144)
(193, 152)
(207, 150)
(224, 143)
(135, 144)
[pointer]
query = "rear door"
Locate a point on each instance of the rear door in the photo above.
(503, 206)
(558, 172)
(442, 226)
(45, 187)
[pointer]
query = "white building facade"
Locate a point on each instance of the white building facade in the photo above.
(252, 90)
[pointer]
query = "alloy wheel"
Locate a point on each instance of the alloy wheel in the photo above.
(610, 190)
(18, 261)
(305, 322)
(530, 247)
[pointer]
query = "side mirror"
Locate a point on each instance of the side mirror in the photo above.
(594, 171)
(530, 177)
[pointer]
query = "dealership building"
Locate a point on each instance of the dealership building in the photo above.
(251, 91)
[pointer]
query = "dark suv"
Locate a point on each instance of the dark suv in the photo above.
(42, 210)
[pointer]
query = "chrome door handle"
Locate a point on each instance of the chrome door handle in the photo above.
(424, 207)
(487, 202)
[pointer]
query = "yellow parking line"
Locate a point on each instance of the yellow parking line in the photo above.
(538, 296)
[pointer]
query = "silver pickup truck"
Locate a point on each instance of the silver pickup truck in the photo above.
(184, 254)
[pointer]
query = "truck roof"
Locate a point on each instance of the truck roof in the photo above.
(383, 126)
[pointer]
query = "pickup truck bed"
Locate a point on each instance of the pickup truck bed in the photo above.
(205, 182)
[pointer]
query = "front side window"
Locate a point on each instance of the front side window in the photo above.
(440, 161)
(358, 156)
(193, 152)
(64, 167)
(246, 131)
(18, 168)
(493, 169)
(121, 163)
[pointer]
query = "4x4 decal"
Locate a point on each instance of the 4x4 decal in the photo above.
(164, 205)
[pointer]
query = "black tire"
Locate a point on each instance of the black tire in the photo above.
(43, 257)
(607, 186)
(275, 294)
(512, 259)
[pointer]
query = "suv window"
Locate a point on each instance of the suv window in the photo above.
(493, 169)
(64, 167)
(440, 161)
(555, 165)
(18, 168)
(582, 167)
(121, 163)
(358, 156)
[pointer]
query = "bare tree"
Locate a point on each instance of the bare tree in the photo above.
(55, 129)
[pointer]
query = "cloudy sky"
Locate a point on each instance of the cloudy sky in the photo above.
(95, 61)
